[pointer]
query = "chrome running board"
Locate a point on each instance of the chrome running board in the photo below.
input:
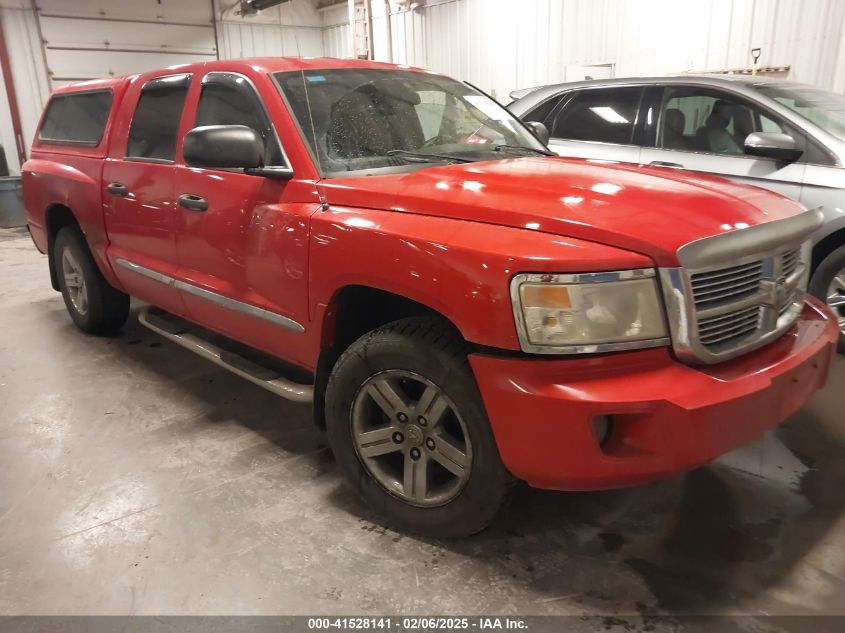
(158, 321)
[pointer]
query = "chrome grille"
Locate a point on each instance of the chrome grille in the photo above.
(790, 261)
(724, 284)
(727, 327)
(724, 311)
(739, 290)
(736, 305)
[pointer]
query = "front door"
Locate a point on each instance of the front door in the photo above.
(243, 239)
(704, 129)
(138, 186)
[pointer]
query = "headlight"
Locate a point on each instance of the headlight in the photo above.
(592, 312)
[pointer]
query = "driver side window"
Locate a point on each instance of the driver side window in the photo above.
(228, 99)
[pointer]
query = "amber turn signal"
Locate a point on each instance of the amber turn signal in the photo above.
(540, 296)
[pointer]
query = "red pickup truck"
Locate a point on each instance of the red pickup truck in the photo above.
(463, 309)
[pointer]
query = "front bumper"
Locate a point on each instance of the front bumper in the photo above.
(667, 417)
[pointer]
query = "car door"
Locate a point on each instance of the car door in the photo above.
(138, 185)
(704, 129)
(824, 186)
(242, 238)
(824, 176)
(598, 123)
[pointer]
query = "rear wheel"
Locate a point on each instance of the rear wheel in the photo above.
(828, 284)
(94, 305)
(409, 430)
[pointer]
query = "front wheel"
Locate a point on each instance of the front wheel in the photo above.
(828, 284)
(410, 432)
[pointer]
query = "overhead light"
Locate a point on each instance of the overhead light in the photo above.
(609, 114)
(410, 5)
(251, 7)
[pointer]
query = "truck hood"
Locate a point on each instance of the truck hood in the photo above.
(648, 210)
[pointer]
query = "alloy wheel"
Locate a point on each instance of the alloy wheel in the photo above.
(410, 437)
(836, 298)
(74, 282)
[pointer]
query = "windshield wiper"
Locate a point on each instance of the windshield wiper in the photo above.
(424, 157)
(533, 150)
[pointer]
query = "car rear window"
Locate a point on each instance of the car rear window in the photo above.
(78, 117)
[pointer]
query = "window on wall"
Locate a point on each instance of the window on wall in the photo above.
(76, 118)
(155, 123)
(229, 99)
(606, 115)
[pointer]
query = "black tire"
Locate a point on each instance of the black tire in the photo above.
(822, 278)
(105, 308)
(430, 348)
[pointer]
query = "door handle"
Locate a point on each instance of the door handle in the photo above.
(117, 189)
(663, 163)
(192, 202)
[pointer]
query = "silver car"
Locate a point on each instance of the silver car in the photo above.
(773, 133)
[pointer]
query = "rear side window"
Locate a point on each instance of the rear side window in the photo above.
(78, 118)
(603, 115)
(155, 124)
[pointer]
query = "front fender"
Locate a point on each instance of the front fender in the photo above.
(834, 222)
(459, 268)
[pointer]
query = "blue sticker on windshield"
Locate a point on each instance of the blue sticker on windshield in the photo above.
(315, 78)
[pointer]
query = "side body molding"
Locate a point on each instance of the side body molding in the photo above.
(214, 297)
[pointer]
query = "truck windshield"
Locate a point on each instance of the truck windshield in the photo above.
(825, 109)
(364, 119)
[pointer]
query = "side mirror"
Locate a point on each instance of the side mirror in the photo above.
(224, 147)
(771, 145)
(539, 130)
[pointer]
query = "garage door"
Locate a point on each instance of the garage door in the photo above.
(86, 39)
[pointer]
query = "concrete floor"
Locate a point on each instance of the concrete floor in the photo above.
(136, 478)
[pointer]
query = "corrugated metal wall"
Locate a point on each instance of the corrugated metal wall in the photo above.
(145, 34)
(501, 45)
(336, 34)
(294, 28)
(95, 38)
(407, 28)
(28, 72)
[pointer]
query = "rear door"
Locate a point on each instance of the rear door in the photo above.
(138, 190)
(243, 248)
(598, 123)
(704, 129)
